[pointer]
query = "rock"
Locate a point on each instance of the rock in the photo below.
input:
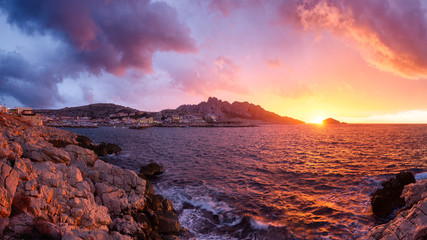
(120, 190)
(22, 223)
(107, 148)
(81, 155)
(151, 170)
(113, 148)
(168, 222)
(330, 121)
(414, 193)
(410, 223)
(51, 188)
(388, 198)
(84, 142)
(40, 153)
(8, 184)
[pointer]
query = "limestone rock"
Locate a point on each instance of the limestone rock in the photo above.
(410, 223)
(81, 155)
(118, 189)
(8, 184)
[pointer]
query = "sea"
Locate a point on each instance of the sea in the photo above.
(272, 182)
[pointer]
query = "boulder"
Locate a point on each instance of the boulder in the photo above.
(81, 155)
(386, 199)
(84, 142)
(411, 223)
(106, 148)
(150, 170)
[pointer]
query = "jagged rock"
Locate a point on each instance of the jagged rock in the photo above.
(106, 148)
(168, 222)
(8, 184)
(120, 190)
(22, 223)
(151, 170)
(414, 193)
(81, 155)
(40, 153)
(410, 223)
(52, 188)
(84, 141)
(386, 199)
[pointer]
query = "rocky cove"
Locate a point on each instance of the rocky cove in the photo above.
(53, 188)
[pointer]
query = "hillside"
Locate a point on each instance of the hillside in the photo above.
(243, 110)
(98, 110)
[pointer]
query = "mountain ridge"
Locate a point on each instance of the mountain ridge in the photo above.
(242, 110)
(223, 110)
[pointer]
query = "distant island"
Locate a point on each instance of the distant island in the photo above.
(212, 113)
(330, 121)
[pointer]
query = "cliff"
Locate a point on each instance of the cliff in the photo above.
(411, 222)
(241, 110)
(98, 110)
(52, 192)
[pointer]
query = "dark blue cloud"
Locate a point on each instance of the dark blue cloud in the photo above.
(99, 36)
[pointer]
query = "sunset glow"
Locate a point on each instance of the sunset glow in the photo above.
(290, 57)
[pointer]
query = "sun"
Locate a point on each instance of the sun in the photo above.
(317, 120)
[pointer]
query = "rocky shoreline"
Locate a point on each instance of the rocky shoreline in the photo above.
(52, 187)
(410, 221)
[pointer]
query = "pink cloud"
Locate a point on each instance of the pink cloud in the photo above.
(391, 35)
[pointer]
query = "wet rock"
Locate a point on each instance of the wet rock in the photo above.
(409, 223)
(151, 170)
(388, 198)
(168, 222)
(106, 148)
(84, 142)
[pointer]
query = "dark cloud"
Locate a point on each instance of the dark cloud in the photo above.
(97, 36)
(31, 85)
(105, 35)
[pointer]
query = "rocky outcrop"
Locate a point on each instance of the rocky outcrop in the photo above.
(51, 188)
(243, 110)
(330, 121)
(411, 222)
(386, 199)
(150, 170)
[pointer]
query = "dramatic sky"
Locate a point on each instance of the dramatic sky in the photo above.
(357, 61)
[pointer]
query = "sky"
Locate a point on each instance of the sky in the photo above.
(359, 61)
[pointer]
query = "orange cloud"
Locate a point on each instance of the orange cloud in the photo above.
(391, 37)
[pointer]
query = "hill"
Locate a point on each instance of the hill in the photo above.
(98, 110)
(240, 110)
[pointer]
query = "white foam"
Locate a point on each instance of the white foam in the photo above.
(260, 225)
(420, 176)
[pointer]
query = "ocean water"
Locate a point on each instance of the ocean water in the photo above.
(272, 182)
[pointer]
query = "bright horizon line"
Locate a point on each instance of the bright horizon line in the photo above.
(403, 117)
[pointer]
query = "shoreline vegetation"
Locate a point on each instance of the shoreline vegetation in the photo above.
(53, 185)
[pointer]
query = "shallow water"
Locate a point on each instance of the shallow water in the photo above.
(272, 182)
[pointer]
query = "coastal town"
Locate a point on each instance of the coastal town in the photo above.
(135, 120)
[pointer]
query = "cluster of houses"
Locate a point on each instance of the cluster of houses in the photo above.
(26, 113)
(165, 117)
